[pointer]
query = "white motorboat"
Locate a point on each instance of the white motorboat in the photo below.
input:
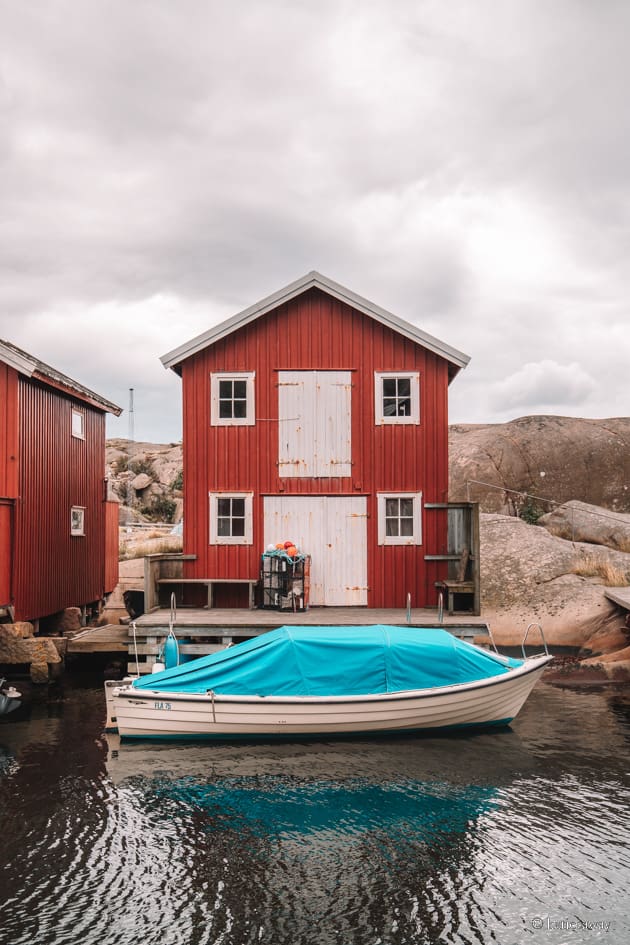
(325, 681)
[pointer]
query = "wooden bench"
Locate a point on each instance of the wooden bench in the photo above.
(210, 582)
(459, 584)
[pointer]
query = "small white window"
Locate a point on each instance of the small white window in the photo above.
(231, 518)
(232, 399)
(78, 424)
(399, 518)
(77, 520)
(397, 397)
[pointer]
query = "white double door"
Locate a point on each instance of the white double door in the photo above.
(333, 531)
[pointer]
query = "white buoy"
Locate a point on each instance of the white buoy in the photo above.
(158, 667)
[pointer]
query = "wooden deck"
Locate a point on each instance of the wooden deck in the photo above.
(204, 631)
(189, 618)
(110, 639)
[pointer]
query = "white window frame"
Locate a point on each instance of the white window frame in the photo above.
(416, 537)
(78, 418)
(248, 537)
(250, 415)
(77, 527)
(379, 415)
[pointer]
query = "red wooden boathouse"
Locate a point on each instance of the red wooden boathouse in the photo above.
(58, 532)
(316, 416)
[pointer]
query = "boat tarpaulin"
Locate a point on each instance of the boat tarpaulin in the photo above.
(332, 661)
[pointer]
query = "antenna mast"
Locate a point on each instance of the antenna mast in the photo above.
(131, 418)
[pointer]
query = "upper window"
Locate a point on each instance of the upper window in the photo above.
(400, 518)
(78, 424)
(397, 397)
(232, 399)
(231, 518)
(77, 520)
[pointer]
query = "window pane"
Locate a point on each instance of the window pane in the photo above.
(406, 527)
(225, 409)
(238, 527)
(406, 508)
(389, 387)
(389, 407)
(391, 527)
(224, 507)
(391, 507)
(223, 527)
(238, 508)
(240, 390)
(404, 386)
(240, 409)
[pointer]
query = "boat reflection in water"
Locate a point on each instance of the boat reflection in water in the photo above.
(337, 832)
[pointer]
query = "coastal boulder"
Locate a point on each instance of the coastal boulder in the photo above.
(530, 576)
(141, 482)
(16, 649)
(579, 521)
(550, 458)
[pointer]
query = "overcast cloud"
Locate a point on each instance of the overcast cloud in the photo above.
(464, 165)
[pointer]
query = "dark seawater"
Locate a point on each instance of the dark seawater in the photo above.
(509, 836)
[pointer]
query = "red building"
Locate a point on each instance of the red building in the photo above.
(318, 417)
(58, 532)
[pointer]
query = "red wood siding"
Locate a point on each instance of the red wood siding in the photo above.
(8, 432)
(8, 475)
(54, 569)
(6, 537)
(317, 332)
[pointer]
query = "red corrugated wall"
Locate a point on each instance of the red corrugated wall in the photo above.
(318, 332)
(8, 475)
(54, 569)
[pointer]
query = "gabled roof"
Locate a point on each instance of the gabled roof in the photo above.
(30, 366)
(314, 280)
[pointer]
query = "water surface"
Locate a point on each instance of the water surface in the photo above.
(509, 836)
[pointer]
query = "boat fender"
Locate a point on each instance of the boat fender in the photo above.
(158, 667)
(171, 652)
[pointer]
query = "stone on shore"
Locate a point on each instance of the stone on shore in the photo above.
(17, 649)
(579, 521)
(530, 576)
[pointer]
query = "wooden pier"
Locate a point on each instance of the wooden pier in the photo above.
(202, 630)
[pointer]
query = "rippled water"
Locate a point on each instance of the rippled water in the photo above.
(517, 835)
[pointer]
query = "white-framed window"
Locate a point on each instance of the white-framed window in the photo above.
(232, 399)
(396, 397)
(231, 519)
(399, 518)
(78, 423)
(77, 520)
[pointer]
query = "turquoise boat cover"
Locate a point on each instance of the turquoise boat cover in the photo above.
(332, 661)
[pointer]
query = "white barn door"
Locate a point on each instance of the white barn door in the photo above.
(314, 432)
(333, 530)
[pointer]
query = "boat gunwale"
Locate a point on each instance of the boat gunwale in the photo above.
(529, 665)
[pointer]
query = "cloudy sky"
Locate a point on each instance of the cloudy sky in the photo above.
(463, 164)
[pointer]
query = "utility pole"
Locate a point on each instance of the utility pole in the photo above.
(129, 442)
(131, 418)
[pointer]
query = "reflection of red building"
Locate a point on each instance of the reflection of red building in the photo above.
(58, 532)
(316, 416)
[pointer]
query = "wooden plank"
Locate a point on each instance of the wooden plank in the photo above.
(108, 639)
(619, 595)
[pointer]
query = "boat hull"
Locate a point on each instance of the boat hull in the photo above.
(497, 700)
